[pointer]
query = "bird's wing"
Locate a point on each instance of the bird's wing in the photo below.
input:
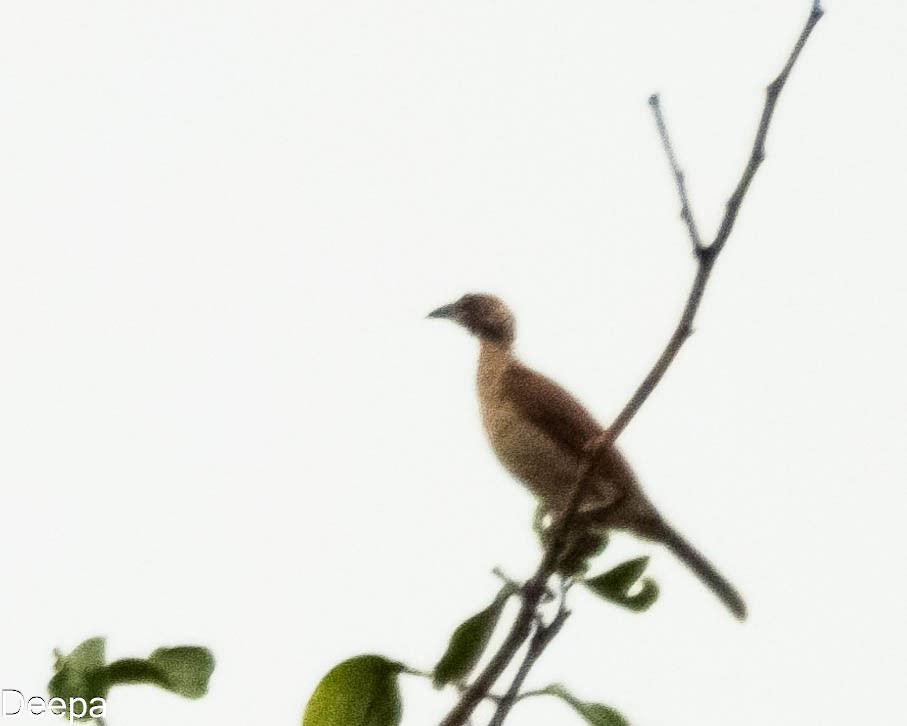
(549, 407)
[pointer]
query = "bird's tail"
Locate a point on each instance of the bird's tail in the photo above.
(704, 570)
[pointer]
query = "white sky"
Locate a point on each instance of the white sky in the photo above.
(224, 420)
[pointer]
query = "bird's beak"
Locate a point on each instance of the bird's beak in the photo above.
(445, 311)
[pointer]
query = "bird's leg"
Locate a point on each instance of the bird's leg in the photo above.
(542, 519)
(547, 595)
(587, 536)
(596, 511)
(595, 516)
(567, 581)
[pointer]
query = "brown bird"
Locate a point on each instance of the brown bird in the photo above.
(540, 434)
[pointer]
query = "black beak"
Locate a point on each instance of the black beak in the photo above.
(445, 311)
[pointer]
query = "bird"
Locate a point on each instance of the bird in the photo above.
(542, 435)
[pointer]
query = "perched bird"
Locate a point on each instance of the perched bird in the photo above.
(540, 433)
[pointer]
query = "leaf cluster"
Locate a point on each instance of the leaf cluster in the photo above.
(84, 673)
(364, 690)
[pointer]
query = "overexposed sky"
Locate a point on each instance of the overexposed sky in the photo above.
(225, 421)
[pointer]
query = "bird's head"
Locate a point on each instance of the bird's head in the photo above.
(485, 316)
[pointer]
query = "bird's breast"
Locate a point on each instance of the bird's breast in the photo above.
(527, 452)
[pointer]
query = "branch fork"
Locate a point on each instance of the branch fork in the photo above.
(528, 625)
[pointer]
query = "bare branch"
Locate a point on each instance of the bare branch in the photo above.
(707, 255)
(758, 154)
(519, 633)
(543, 635)
(686, 212)
(533, 591)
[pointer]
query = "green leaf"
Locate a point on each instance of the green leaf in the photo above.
(361, 691)
(615, 585)
(81, 674)
(89, 654)
(185, 668)
(624, 576)
(469, 641)
(134, 671)
(594, 713)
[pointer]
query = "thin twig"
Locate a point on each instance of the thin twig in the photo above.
(519, 632)
(706, 256)
(758, 154)
(517, 586)
(533, 590)
(686, 212)
(546, 691)
(460, 686)
(543, 635)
